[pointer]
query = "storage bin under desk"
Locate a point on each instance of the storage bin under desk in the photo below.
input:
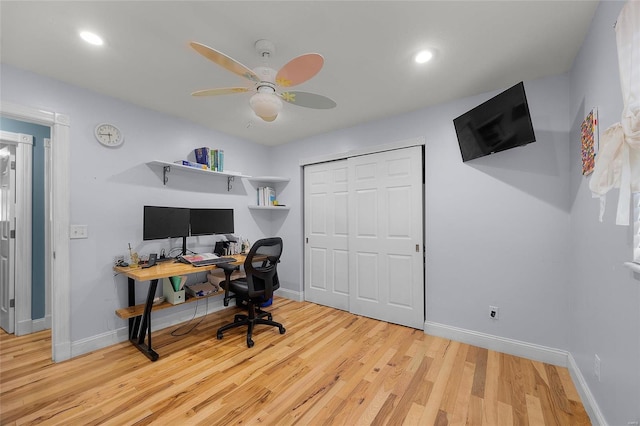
(170, 294)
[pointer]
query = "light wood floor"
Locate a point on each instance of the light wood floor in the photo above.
(330, 368)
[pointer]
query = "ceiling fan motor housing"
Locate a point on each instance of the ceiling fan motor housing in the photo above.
(265, 48)
(266, 75)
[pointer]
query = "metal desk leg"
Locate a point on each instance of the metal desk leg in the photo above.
(142, 328)
(132, 301)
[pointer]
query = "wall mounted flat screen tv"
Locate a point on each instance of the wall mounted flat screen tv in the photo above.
(165, 222)
(501, 123)
(211, 221)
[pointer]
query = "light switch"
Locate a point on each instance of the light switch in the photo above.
(78, 231)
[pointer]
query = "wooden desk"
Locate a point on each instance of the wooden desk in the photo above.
(139, 316)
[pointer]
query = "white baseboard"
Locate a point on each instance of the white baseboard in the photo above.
(158, 322)
(526, 350)
(497, 343)
(32, 326)
(290, 294)
(588, 400)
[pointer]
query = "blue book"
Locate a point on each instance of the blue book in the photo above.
(202, 156)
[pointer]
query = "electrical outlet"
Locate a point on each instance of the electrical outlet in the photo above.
(596, 366)
(632, 424)
(494, 312)
(78, 231)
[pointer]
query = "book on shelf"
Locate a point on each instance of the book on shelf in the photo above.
(216, 160)
(202, 156)
(266, 196)
(191, 164)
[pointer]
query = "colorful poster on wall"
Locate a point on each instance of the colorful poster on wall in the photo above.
(589, 136)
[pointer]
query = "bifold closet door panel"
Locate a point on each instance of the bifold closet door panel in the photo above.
(326, 272)
(386, 278)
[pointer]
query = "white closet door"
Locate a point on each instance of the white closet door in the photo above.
(386, 278)
(326, 254)
(7, 244)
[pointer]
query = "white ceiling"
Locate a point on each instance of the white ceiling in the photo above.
(367, 45)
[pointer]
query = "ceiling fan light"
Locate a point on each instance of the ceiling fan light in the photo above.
(423, 56)
(266, 105)
(91, 38)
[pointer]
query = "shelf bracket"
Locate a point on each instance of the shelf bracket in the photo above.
(165, 170)
(229, 184)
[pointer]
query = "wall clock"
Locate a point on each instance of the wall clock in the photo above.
(109, 135)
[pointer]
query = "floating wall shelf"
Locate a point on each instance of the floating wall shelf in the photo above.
(168, 167)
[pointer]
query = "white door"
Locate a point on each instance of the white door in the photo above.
(7, 244)
(386, 236)
(326, 253)
(15, 235)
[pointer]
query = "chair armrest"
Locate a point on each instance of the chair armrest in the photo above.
(228, 270)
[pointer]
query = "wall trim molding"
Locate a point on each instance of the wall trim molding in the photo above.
(501, 344)
(407, 143)
(588, 400)
(121, 334)
(298, 296)
(532, 351)
(32, 326)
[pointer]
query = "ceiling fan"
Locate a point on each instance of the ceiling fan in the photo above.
(268, 84)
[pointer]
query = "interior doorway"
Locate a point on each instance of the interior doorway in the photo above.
(58, 244)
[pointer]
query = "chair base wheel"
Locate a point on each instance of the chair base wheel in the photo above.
(282, 330)
(219, 336)
(249, 343)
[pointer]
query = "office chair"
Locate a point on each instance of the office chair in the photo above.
(257, 287)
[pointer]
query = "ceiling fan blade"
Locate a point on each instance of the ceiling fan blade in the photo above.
(221, 91)
(299, 69)
(224, 61)
(308, 100)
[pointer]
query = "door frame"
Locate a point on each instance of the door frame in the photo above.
(405, 143)
(58, 249)
(22, 252)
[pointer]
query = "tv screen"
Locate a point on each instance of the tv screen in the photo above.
(501, 123)
(211, 221)
(165, 222)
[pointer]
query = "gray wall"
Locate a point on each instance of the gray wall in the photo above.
(496, 227)
(517, 229)
(604, 314)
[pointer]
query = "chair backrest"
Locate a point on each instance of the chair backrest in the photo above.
(261, 266)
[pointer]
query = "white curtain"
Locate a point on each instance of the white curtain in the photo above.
(618, 162)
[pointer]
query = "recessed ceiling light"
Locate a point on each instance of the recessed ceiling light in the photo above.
(91, 38)
(423, 56)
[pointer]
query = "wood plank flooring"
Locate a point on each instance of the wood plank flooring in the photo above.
(330, 368)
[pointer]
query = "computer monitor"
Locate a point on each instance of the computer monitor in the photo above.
(211, 221)
(165, 222)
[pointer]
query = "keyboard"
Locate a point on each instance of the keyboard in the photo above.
(209, 262)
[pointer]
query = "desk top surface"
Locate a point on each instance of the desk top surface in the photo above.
(167, 269)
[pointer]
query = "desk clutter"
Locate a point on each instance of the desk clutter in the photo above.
(174, 289)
